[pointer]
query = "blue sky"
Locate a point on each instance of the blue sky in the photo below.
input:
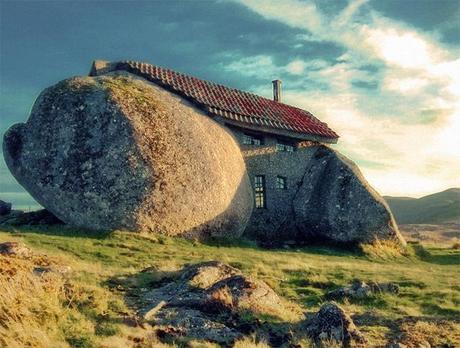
(384, 74)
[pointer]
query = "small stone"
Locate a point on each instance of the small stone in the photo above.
(395, 345)
(361, 290)
(333, 323)
(41, 270)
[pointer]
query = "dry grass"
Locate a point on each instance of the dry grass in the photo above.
(250, 342)
(385, 250)
(30, 306)
(427, 275)
(222, 297)
(53, 310)
(436, 333)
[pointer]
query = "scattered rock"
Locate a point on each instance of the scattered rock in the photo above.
(41, 270)
(204, 300)
(5, 208)
(360, 290)
(119, 152)
(14, 249)
(192, 323)
(395, 345)
(332, 323)
(205, 274)
(240, 292)
(39, 217)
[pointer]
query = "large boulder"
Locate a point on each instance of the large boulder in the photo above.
(334, 202)
(118, 152)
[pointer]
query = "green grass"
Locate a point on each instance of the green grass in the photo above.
(429, 276)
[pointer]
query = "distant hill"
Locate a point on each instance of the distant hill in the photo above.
(436, 208)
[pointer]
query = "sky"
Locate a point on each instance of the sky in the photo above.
(385, 75)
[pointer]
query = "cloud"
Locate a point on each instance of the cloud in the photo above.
(403, 131)
(401, 48)
(254, 66)
(296, 67)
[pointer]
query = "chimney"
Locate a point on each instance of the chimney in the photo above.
(100, 67)
(277, 90)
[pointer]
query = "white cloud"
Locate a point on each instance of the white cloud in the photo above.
(292, 12)
(406, 133)
(401, 48)
(252, 66)
(405, 85)
(296, 67)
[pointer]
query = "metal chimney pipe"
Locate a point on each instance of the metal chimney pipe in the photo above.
(277, 90)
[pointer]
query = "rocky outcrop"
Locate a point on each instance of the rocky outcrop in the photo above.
(332, 326)
(334, 202)
(5, 208)
(325, 198)
(361, 290)
(217, 286)
(118, 152)
(204, 301)
(38, 217)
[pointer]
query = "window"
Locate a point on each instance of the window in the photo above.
(281, 183)
(259, 191)
(249, 139)
(285, 147)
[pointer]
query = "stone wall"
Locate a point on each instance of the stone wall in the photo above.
(326, 198)
(274, 220)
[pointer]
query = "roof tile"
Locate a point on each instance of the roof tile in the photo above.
(232, 103)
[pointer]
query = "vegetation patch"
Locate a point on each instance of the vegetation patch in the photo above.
(95, 303)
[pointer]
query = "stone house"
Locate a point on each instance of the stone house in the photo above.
(276, 139)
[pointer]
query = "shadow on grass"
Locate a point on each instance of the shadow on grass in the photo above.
(435, 309)
(56, 230)
(451, 258)
(326, 248)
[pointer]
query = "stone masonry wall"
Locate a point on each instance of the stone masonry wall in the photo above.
(275, 220)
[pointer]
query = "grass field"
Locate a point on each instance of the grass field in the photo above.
(93, 305)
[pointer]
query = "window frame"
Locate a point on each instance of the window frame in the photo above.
(281, 182)
(283, 146)
(260, 196)
(253, 139)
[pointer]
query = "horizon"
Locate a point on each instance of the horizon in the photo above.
(384, 75)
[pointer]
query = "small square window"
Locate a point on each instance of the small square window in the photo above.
(281, 183)
(249, 139)
(284, 147)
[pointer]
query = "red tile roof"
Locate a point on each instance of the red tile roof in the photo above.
(241, 107)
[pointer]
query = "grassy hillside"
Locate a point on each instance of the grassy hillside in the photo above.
(436, 208)
(93, 304)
